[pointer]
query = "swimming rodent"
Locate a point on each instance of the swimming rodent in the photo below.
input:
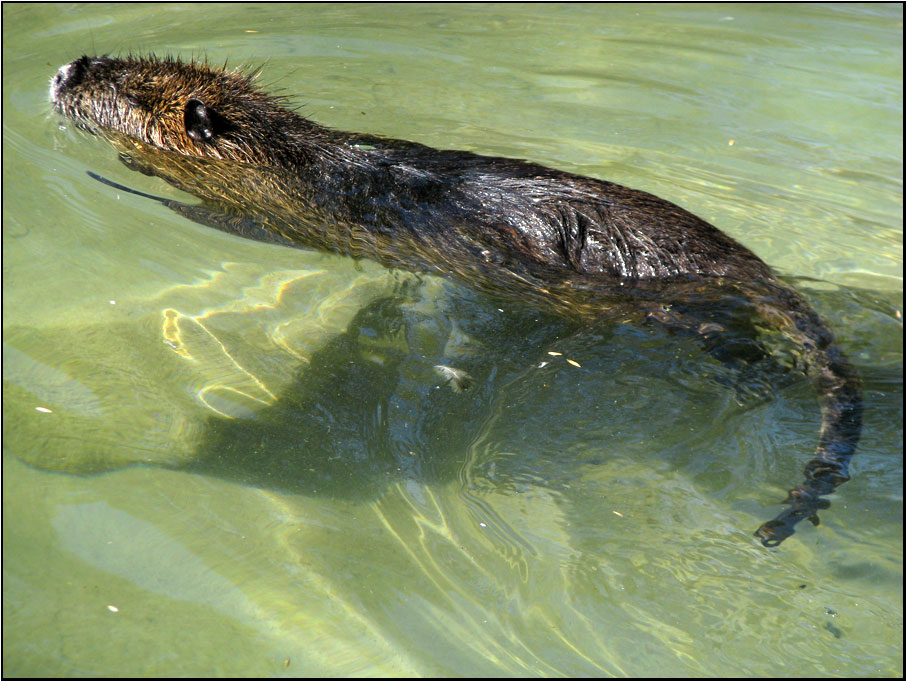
(574, 245)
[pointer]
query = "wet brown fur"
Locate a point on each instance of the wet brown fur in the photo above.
(579, 246)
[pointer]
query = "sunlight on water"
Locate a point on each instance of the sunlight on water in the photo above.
(278, 480)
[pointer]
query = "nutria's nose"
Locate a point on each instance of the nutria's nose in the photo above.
(69, 75)
(72, 74)
(57, 81)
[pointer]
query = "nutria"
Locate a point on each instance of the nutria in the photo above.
(575, 245)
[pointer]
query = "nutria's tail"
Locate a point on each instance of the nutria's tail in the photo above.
(838, 386)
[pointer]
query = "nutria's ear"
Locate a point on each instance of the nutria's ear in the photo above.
(200, 121)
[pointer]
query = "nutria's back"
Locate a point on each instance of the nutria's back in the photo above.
(576, 245)
(518, 210)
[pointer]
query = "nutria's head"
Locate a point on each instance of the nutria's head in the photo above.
(189, 108)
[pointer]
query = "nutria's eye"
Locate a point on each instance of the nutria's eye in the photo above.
(201, 122)
(132, 99)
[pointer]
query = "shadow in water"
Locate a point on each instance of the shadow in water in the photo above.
(373, 406)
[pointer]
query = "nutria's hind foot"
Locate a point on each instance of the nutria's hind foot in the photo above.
(804, 505)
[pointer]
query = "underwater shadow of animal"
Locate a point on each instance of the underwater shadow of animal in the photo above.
(371, 408)
(367, 410)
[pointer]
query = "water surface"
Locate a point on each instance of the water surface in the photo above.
(245, 464)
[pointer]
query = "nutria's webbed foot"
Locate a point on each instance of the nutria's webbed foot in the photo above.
(804, 505)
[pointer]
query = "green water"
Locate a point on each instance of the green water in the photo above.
(355, 515)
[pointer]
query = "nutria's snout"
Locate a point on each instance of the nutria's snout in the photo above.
(56, 83)
(69, 75)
